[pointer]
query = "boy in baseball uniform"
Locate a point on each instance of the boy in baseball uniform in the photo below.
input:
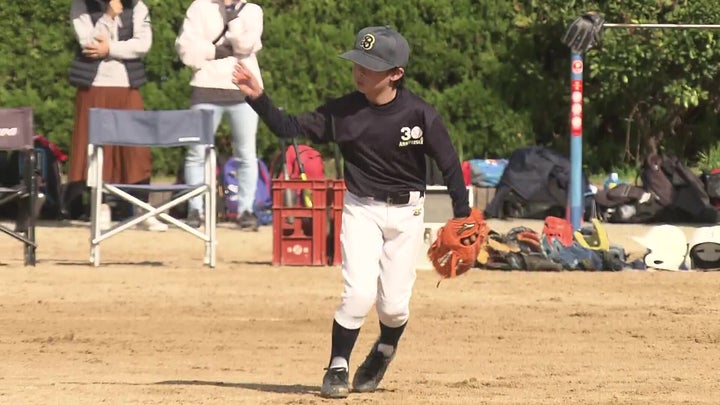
(384, 132)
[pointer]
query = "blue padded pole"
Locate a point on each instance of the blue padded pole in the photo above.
(576, 125)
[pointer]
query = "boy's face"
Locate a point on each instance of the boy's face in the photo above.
(371, 82)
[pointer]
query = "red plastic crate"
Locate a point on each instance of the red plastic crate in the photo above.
(337, 195)
(299, 232)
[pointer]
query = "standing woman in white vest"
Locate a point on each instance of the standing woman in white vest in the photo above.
(113, 38)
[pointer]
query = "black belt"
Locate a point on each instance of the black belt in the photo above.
(397, 197)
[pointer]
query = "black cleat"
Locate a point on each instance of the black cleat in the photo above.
(195, 219)
(371, 371)
(335, 383)
(248, 221)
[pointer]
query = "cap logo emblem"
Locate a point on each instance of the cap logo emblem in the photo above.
(367, 42)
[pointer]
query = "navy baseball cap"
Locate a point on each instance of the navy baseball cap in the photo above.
(379, 49)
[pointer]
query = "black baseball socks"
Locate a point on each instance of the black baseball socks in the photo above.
(343, 341)
(389, 338)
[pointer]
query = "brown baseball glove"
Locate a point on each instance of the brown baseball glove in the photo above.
(458, 242)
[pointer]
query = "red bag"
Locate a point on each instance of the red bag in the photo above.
(310, 157)
(558, 228)
(467, 172)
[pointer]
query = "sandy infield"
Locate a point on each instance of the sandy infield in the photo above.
(152, 326)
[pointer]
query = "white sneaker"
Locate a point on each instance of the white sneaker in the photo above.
(152, 224)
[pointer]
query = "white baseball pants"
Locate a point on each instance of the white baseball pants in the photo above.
(380, 243)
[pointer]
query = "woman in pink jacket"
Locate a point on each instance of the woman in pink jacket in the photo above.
(214, 36)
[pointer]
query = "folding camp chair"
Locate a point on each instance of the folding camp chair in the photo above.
(16, 134)
(168, 128)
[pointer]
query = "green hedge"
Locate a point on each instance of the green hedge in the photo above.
(496, 71)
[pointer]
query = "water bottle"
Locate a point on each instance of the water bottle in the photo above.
(427, 237)
(611, 181)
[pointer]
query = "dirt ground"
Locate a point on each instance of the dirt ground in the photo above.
(152, 326)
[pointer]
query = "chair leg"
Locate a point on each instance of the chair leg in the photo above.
(207, 259)
(30, 251)
(96, 201)
(213, 236)
(30, 248)
(208, 254)
(30, 209)
(213, 227)
(212, 213)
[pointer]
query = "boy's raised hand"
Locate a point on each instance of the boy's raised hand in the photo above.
(246, 81)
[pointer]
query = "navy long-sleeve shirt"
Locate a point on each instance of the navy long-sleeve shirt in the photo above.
(383, 146)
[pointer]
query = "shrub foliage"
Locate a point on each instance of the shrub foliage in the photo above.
(496, 71)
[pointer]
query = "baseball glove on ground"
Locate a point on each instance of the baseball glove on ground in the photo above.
(458, 242)
(584, 33)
